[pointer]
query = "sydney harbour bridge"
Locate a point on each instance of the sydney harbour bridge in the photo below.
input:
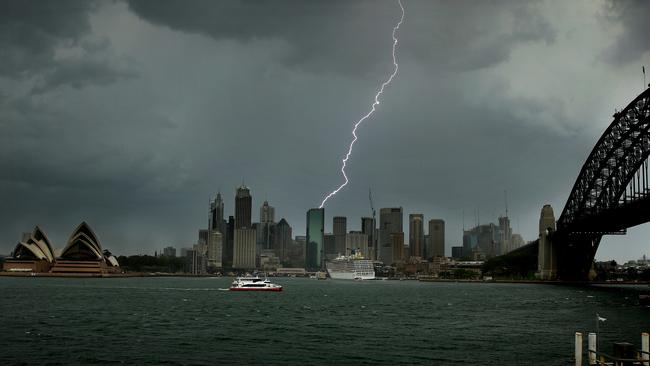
(611, 194)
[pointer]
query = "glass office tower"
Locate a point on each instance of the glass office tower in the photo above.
(314, 260)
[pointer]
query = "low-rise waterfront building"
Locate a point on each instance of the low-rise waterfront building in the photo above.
(457, 252)
(269, 261)
(195, 261)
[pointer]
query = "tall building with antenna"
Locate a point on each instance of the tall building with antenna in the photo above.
(267, 213)
(216, 233)
(267, 223)
(505, 231)
(216, 221)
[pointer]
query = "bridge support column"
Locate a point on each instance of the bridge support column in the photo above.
(547, 255)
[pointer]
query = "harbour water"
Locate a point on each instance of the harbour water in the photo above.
(190, 321)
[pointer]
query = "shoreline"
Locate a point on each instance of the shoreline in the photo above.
(181, 275)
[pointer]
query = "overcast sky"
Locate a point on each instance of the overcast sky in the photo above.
(131, 115)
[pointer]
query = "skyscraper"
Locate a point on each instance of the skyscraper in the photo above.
(339, 230)
(416, 235)
(245, 243)
(329, 246)
(267, 221)
(260, 238)
(297, 253)
(436, 238)
(243, 207)
(369, 228)
(229, 243)
(204, 234)
(505, 235)
(390, 222)
(283, 240)
(481, 241)
(267, 213)
(397, 247)
(315, 260)
(244, 255)
(216, 221)
(217, 235)
(215, 250)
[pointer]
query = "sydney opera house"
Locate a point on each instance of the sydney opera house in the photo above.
(82, 255)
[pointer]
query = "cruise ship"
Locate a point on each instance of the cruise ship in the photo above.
(353, 267)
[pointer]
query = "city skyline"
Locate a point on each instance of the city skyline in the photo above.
(391, 235)
(131, 116)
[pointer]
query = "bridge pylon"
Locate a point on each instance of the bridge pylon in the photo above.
(547, 252)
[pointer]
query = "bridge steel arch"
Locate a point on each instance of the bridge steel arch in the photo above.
(615, 159)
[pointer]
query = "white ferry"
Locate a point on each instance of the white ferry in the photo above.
(353, 267)
(254, 284)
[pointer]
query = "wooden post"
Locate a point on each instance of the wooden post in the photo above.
(592, 347)
(578, 349)
(645, 347)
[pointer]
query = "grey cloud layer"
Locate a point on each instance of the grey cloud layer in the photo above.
(632, 16)
(130, 115)
(32, 33)
(348, 36)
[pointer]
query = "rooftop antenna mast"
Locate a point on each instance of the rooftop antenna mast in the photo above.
(505, 194)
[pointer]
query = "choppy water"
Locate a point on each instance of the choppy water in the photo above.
(178, 321)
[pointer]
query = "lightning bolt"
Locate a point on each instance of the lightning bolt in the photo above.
(372, 110)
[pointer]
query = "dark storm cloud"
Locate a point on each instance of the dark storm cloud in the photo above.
(132, 115)
(95, 66)
(31, 32)
(454, 36)
(351, 36)
(632, 16)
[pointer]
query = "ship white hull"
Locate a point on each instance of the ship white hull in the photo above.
(341, 275)
(351, 270)
(350, 276)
